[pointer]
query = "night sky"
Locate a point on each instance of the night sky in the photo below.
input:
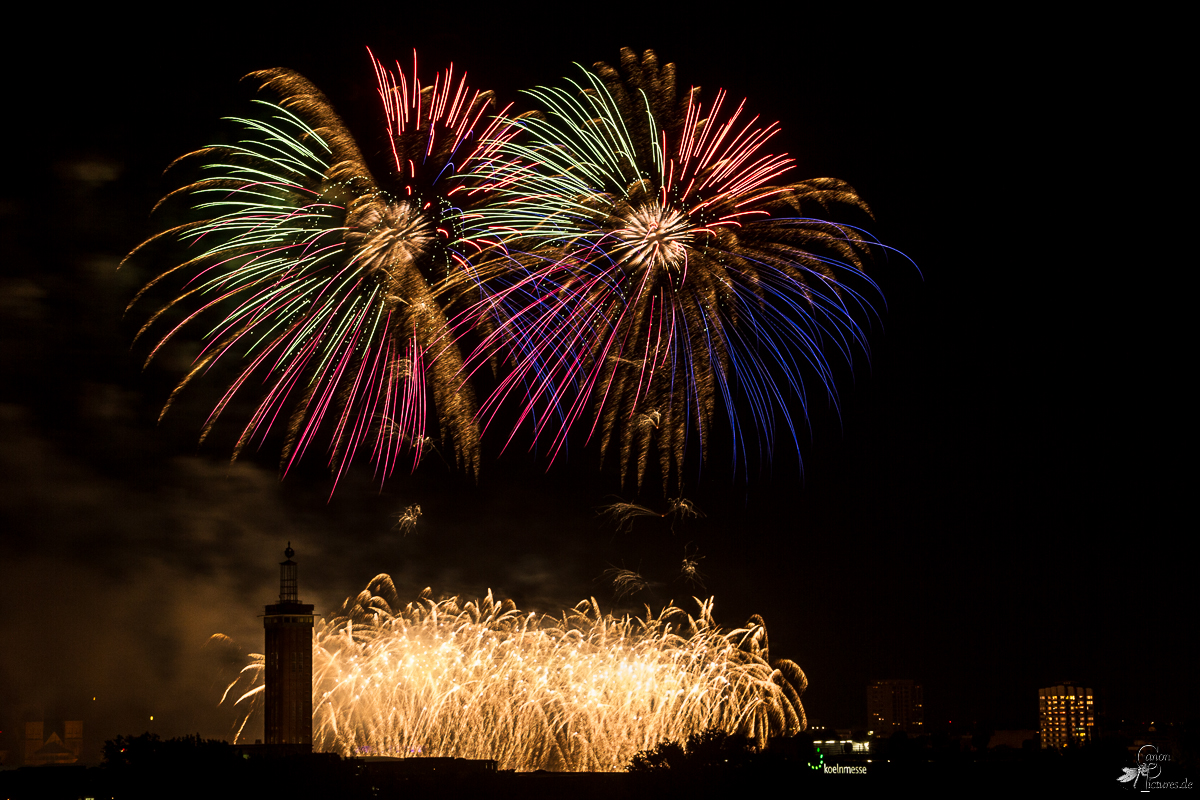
(986, 509)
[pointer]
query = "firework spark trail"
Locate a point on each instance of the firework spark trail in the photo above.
(622, 514)
(335, 287)
(689, 568)
(625, 582)
(584, 691)
(686, 276)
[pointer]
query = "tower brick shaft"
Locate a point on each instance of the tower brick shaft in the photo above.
(289, 631)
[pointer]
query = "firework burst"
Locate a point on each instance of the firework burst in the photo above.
(334, 287)
(674, 272)
(583, 691)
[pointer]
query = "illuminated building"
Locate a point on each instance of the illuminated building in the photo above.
(40, 750)
(895, 706)
(1067, 713)
(288, 665)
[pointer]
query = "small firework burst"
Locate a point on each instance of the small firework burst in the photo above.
(625, 582)
(689, 569)
(622, 514)
(406, 523)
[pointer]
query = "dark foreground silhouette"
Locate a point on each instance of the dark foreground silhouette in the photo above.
(708, 764)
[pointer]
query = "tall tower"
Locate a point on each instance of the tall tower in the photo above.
(289, 625)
